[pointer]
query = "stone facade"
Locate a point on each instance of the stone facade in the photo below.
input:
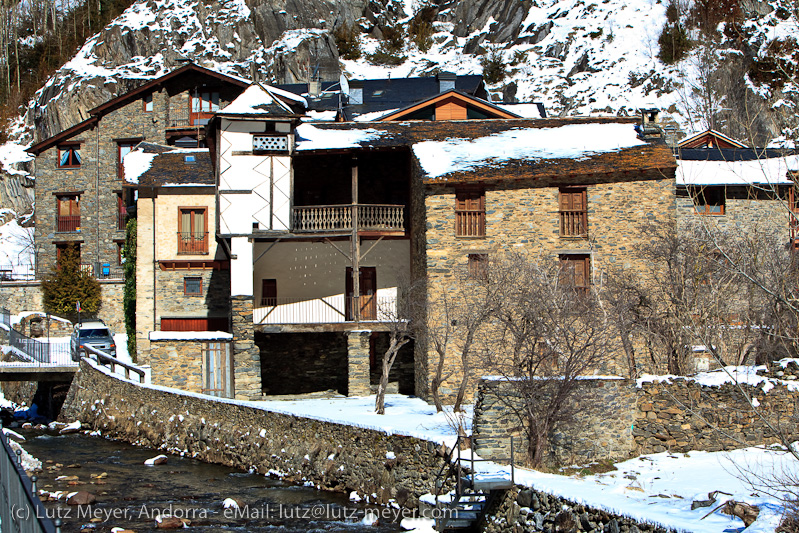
(331, 456)
(358, 363)
(161, 270)
(615, 419)
(246, 355)
(525, 217)
(599, 430)
(27, 296)
(321, 356)
(180, 363)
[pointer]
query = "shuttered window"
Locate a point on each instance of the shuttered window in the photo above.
(576, 271)
(573, 212)
(470, 214)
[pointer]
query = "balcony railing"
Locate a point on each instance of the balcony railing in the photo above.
(328, 310)
(182, 118)
(333, 218)
(66, 223)
(121, 219)
(470, 223)
(192, 243)
(573, 223)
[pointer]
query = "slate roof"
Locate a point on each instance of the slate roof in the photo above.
(728, 154)
(650, 160)
(173, 167)
(385, 94)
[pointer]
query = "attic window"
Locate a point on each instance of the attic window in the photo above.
(189, 159)
(270, 143)
(378, 92)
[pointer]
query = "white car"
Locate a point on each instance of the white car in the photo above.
(93, 333)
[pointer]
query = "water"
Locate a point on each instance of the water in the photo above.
(130, 495)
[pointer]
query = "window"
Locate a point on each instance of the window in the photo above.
(62, 247)
(708, 200)
(268, 292)
(68, 212)
(120, 259)
(206, 102)
(470, 214)
(122, 212)
(478, 266)
(123, 149)
(193, 286)
(269, 143)
(148, 103)
(192, 230)
(69, 156)
(576, 271)
(573, 212)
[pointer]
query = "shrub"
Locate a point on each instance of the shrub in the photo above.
(393, 40)
(421, 28)
(348, 41)
(67, 285)
(129, 294)
(493, 67)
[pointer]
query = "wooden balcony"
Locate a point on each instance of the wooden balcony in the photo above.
(192, 243)
(372, 218)
(573, 224)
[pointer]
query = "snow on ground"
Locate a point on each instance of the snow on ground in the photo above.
(16, 246)
(742, 374)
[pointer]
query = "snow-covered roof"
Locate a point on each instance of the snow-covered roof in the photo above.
(135, 163)
(570, 141)
(525, 110)
(309, 137)
(259, 99)
(769, 171)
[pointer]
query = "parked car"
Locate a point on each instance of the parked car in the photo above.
(93, 333)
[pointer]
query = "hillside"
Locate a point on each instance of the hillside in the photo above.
(578, 57)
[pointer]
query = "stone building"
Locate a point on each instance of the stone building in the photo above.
(414, 194)
(80, 198)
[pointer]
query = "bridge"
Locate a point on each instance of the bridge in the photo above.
(36, 359)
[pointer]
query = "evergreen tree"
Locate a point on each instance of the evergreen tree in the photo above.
(129, 294)
(67, 285)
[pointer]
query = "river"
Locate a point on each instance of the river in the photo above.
(130, 495)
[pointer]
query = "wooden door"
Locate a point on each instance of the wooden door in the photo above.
(217, 371)
(368, 299)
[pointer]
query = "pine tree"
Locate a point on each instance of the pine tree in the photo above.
(67, 285)
(129, 295)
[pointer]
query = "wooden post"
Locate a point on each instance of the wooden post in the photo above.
(356, 246)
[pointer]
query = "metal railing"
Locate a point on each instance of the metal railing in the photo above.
(41, 352)
(20, 508)
(66, 223)
(331, 218)
(192, 242)
(103, 358)
(328, 310)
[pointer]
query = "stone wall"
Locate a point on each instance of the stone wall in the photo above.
(27, 296)
(525, 217)
(600, 427)
(526, 509)
(331, 456)
(683, 415)
(615, 419)
(293, 363)
(178, 363)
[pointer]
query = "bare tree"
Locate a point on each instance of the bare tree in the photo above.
(545, 335)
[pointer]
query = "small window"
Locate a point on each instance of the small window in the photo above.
(576, 271)
(268, 292)
(188, 159)
(269, 143)
(470, 214)
(67, 213)
(573, 212)
(709, 200)
(478, 266)
(148, 103)
(120, 257)
(192, 230)
(193, 286)
(69, 156)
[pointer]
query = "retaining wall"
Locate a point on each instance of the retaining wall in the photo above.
(331, 456)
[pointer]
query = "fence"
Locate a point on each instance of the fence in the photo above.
(20, 508)
(28, 273)
(327, 310)
(17, 273)
(42, 352)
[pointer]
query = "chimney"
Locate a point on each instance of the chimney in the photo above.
(446, 81)
(649, 129)
(315, 86)
(356, 92)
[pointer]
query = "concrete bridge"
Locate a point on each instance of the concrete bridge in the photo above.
(20, 371)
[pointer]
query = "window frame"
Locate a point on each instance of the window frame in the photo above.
(568, 262)
(74, 150)
(470, 213)
(571, 218)
(186, 280)
(702, 207)
(73, 201)
(193, 230)
(477, 266)
(147, 103)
